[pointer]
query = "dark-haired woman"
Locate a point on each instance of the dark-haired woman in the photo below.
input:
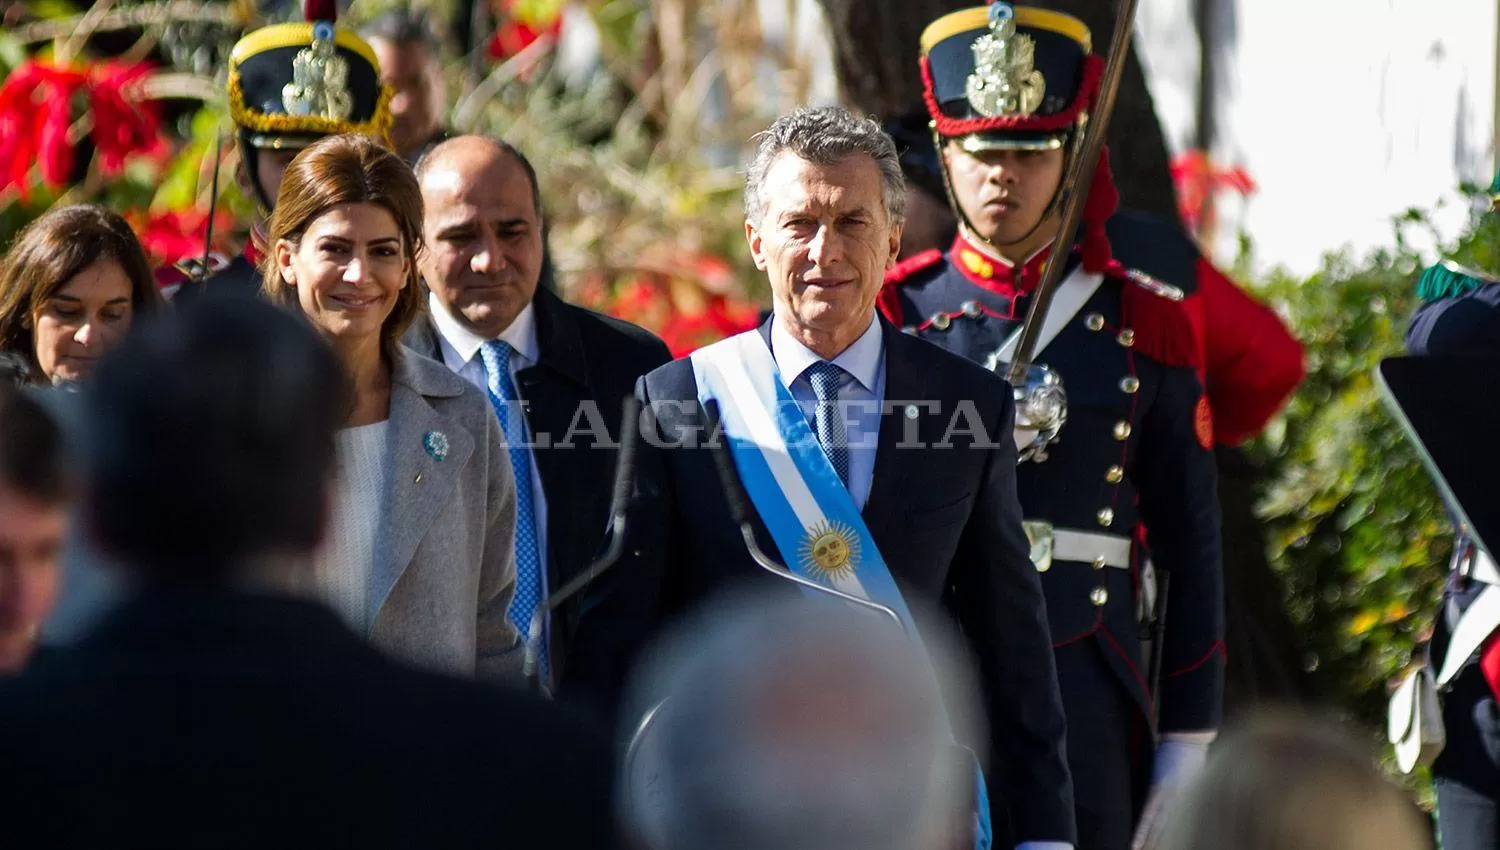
(70, 287)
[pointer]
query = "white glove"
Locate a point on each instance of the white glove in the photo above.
(1179, 759)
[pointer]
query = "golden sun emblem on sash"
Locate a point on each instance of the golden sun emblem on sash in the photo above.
(1005, 80)
(831, 550)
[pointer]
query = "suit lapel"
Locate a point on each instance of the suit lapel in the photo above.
(896, 466)
(422, 485)
(553, 391)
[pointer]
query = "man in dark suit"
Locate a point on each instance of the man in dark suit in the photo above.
(920, 439)
(557, 375)
(217, 708)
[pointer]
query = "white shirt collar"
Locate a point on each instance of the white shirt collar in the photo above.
(861, 359)
(521, 335)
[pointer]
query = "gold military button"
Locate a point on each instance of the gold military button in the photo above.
(1130, 384)
(1122, 430)
(1094, 321)
(1043, 566)
(1115, 474)
(1100, 563)
(910, 330)
(1099, 596)
(941, 321)
(1106, 517)
(1126, 337)
(971, 309)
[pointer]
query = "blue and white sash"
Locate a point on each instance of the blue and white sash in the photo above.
(796, 490)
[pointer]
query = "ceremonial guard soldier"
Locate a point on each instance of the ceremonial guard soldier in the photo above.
(289, 85)
(1460, 315)
(1010, 90)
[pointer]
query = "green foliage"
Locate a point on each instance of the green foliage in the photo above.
(1356, 531)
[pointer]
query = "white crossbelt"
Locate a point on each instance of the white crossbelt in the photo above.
(1088, 547)
(1482, 568)
(1478, 621)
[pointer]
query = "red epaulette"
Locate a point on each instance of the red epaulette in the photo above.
(889, 300)
(911, 265)
(1168, 326)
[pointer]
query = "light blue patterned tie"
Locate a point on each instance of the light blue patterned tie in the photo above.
(826, 379)
(496, 355)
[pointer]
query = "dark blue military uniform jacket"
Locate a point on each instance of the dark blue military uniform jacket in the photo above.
(1133, 460)
(1468, 322)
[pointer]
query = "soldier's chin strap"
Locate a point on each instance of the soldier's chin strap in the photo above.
(1075, 145)
(250, 161)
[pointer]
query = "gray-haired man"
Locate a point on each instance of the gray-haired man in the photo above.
(758, 743)
(898, 482)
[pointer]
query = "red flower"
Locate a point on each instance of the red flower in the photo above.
(122, 125)
(1197, 179)
(685, 334)
(519, 31)
(171, 237)
(36, 111)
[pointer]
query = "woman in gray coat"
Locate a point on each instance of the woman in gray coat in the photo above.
(419, 552)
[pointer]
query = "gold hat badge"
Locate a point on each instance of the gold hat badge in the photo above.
(1005, 80)
(320, 79)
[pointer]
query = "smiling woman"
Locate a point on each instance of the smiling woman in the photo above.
(417, 554)
(71, 286)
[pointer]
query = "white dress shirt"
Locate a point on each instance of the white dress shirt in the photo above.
(460, 348)
(860, 395)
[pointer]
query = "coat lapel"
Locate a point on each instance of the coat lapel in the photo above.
(422, 485)
(554, 391)
(896, 466)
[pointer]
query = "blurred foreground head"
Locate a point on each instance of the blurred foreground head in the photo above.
(1290, 783)
(795, 724)
(33, 518)
(209, 441)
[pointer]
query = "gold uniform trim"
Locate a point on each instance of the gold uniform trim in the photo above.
(965, 20)
(295, 35)
(378, 126)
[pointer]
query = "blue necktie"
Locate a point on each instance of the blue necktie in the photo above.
(503, 398)
(826, 379)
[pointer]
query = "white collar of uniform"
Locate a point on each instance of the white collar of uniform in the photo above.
(521, 335)
(861, 359)
(979, 245)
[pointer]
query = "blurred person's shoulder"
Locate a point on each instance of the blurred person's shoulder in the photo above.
(1459, 314)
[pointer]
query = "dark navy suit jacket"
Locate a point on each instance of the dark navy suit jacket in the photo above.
(948, 524)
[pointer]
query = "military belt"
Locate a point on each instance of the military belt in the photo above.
(1090, 547)
(1049, 544)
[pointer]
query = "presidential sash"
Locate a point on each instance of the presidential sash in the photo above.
(796, 490)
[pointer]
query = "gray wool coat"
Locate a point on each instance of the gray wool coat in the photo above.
(444, 579)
